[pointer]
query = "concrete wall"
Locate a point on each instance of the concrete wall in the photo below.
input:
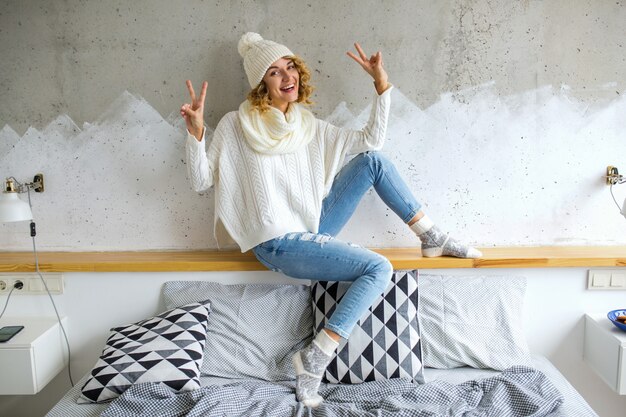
(76, 57)
(504, 119)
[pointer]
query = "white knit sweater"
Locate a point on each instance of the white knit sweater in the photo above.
(259, 197)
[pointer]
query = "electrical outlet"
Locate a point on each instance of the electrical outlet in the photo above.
(31, 283)
(606, 279)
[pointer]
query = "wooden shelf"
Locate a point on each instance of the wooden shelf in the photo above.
(401, 258)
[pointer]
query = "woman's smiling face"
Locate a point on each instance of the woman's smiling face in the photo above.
(281, 80)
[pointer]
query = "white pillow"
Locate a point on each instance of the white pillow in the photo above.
(472, 321)
(254, 328)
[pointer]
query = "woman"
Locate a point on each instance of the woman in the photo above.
(282, 192)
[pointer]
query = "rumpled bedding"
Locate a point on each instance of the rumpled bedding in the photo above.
(517, 391)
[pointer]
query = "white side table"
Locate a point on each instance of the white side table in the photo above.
(32, 357)
(605, 351)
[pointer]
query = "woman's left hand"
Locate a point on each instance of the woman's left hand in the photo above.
(373, 66)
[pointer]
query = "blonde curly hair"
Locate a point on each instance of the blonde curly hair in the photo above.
(259, 96)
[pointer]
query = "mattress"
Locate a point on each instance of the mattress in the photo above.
(573, 406)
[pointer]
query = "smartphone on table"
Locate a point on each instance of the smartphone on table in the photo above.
(7, 332)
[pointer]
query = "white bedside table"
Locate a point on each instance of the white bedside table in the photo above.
(32, 357)
(605, 351)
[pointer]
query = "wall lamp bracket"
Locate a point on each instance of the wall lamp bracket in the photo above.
(613, 176)
(14, 186)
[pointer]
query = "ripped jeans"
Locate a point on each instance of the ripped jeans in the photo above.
(322, 257)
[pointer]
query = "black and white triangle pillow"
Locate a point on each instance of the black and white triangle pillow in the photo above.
(167, 348)
(385, 342)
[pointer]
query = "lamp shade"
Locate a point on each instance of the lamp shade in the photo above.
(12, 209)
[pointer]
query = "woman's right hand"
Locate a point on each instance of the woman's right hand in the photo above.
(194, 113)
(373, 66)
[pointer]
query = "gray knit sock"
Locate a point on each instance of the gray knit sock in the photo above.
(436, 243)
(310, 364)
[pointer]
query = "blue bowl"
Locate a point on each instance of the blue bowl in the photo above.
(612, 315)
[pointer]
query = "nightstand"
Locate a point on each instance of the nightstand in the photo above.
(605, 351)
(32, 357)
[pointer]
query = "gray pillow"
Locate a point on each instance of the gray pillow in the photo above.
(254, 328)
(472, 321)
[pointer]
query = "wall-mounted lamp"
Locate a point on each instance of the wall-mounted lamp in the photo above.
(614, 177)
(12, 208)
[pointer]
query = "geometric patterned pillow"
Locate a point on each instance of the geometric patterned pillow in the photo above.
(385, 343)
(167, 348)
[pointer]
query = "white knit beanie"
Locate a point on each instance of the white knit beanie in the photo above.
(258, 54)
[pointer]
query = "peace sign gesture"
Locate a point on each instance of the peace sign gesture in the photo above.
(194, 113)
(373, 66)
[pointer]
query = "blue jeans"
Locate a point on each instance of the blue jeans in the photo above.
(322, 257)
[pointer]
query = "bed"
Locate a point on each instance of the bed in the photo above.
(573, 404)
(431, 345)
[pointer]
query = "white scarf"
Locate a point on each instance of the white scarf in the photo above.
(275, 133)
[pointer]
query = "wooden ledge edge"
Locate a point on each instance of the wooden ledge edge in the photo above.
(401, 258)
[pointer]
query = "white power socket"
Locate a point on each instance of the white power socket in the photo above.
(607, 279)
(31, 283)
